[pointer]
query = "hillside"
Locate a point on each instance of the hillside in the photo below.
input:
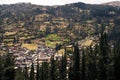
(26, 22)
(114, 3)
(70, 42)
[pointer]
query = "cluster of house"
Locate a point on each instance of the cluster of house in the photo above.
(25, 57)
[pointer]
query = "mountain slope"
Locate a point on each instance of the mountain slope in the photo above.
(114, 3)
(75, 20)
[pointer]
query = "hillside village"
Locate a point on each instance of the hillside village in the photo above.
(28, 31)
(75, 41)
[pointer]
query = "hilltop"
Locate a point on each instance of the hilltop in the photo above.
(114, 3)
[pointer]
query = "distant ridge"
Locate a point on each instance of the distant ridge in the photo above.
(114, 3)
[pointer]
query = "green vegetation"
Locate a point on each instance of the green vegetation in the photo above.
(58, 26)
(73, 22)
(7, 67)
(93, 63)
(53, 39)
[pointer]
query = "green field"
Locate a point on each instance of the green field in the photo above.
(52, 39)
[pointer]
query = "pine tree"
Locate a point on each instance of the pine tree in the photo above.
(70, 73)
(53, 69)
(1, 67)
(38, 73)
(9, 67)
(8, 75)
(26, 77)
(9, 60)
(41, 72)
(74, 73)
(102, 70)
(104, 48)
(45, 70)
(32, 77)
(92, 66)
(63, 71)
(19, 74)
(117, 61)
(83, 67)
(103, 60)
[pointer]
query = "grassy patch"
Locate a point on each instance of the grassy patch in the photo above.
(52, 39)
(30, 46)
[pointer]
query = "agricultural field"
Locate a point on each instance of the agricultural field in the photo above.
(30, 46)
(52, 39)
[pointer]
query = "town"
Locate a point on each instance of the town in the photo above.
(25, 57)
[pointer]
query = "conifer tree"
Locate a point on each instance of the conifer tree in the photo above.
(74, 73)
(45, 70)
(103, 60)
(83, 67)
(38, 73)
(9, 60)
(9, 67)
(117, 61)
(63, 66)
(92, 66)
(41, 72)
(26, 77)
(1, 67)
(19, 74)
(32, 77)
(70, 73)
(9, 73)
(53, 69)
(104, 48)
